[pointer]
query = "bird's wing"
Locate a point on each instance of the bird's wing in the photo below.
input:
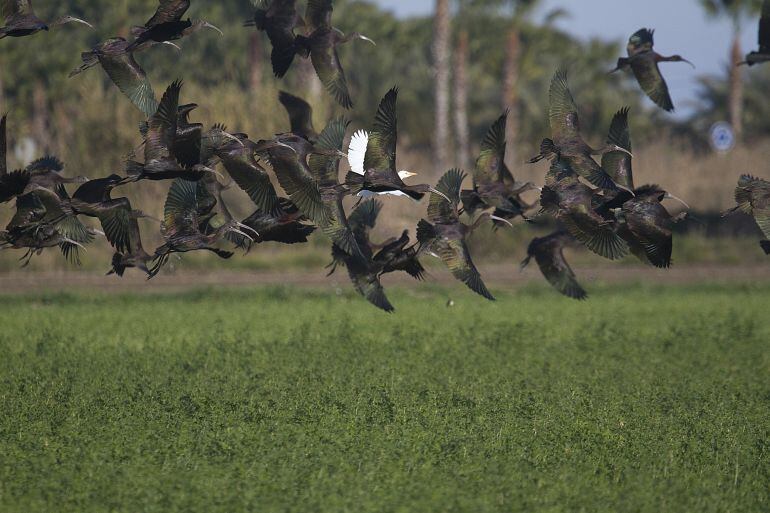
(3, 147)
(594, 233)
(29, 209)
(439, 209)
(180, 212)
(587, 167)
(132, 81)
(300, 113)
(168, 11)
(357, 151)
(550, 259)
(254, 181)
(381, 146)
(616, 163)
(318, 14)
(760, 207)
(455, 255)
(650, 225)
(325, 168)
(295, 178)
(116, 223)
(326, 62)
(491, 161)
(161, 130)
(337, 228)
(562, 112)
(764, 28)
(363, 219)
(71, 228)
(371, 288)
(45, 165)
(653, 84)
(10, 8)
(641, 41)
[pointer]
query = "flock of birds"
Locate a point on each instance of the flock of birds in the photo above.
(597, 204)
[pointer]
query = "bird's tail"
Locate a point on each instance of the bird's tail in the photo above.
(260, 17)
(765, 246)
(355, 182)
(547, 150)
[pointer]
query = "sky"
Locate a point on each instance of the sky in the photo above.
(680, 26)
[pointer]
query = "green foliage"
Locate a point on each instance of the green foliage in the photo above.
(299, 400)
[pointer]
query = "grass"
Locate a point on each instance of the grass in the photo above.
(642, 399)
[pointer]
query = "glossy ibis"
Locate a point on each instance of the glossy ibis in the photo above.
(239, 162)
(646, 225)
(279, 20)
(167, 25)
(321, 45)
(548, 252)
(374, 168)
(445, 236)
(284, 224)
(567, 143)
(300, 116)
(763, 54)
(20, 19)
(493, 184)
(752, 196)
(122, 68)
(135, 257)
(617, 164)
(573, 203)
(185, 212)
(643, 62)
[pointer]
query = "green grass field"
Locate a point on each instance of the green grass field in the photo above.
(641, 399)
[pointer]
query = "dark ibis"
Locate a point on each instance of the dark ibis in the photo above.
(752, 196)
(279, 20)
(300, 116)
(548, 252)
(284, 224)
(167, 25)
(763, 54)
(20, 19)
(643, 62)
(566, 142)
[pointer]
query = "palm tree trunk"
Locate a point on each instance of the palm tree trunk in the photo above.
(735, 101)
(462, 137)
(41, 118)
(510, 98)
(441, 58)
(255, 61)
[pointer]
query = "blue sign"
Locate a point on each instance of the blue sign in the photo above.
(722, 137)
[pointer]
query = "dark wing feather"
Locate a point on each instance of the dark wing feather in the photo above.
(300, 114)
(455, 255)
(491, 160)
(653, 84)
(180, 212)
(651, 226)
(10, 8)
(641, 41)
(326, 62)
(168, 11)
(253, 180)
(325, 168)
(162, 125)
(132, 81)
(318, 14)
(562, 113)
(616, 163)
(549, 255)
(381, 147)
(116, 223)
(439, 209)
(370, 287)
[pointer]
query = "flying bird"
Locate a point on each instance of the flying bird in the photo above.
(284, 224)
(763, 54)
(567, 143)
(20, 19)
(372, 157)
(300, 116)
(548, 252)
(321, 43)
(445, 236)
(752, 196)
(643, 62)
(167, 25)
(279, 19)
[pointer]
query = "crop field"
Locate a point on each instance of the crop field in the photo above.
(645, 398)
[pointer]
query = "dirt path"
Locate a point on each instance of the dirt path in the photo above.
(497, 276)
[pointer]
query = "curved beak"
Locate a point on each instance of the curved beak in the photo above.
(367, 39)
(500, 219)
(169, 43)
(247, 227)
(242, 234)
(212, 27)
(84, 22)
(688, 62)
(671, 196)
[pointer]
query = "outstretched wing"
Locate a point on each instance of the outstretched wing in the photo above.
(616, 163)
(325, 168)
(161, 130)
(180, 212)
(116, 223)
(298, 182)
(370, 287)
(168, 11)
(650, 225)
(439, 209)
(318, 14)
(363, 219)
(326, 62)
(381, 146)
(300, 114)
(641, 41)
(562, 112)
(132, 81)
(491, 161)
(253, 180)
(455, 255)
(653, 84)
(549, 255)
(71, 228)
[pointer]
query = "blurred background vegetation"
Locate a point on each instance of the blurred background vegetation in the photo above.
(489, 55)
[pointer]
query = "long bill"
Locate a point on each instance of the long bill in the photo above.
(208, 25)
(671, 196)
(434, 191)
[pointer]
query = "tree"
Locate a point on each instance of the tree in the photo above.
(441, 71)
(737, 11)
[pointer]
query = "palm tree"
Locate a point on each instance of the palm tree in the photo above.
(460, 83)
(441, 64)
(737, 11)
